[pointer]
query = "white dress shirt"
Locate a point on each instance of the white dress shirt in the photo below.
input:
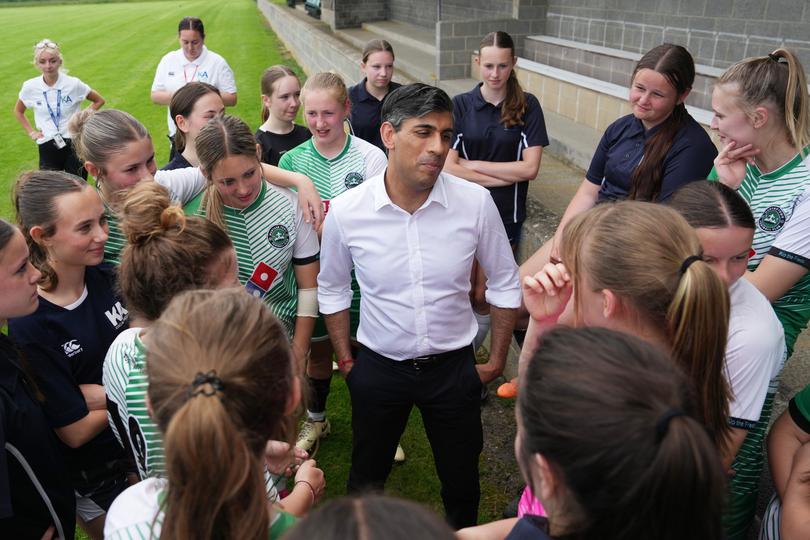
(414, 269)
(175, 71)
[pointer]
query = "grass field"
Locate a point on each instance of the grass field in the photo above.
(114, 48)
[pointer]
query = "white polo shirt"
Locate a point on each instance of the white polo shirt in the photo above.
(175, 70)
(37, 95)
(414, 269)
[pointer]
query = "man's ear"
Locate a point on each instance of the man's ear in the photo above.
(387, 132)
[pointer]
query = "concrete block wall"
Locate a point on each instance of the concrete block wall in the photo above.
(456, 40)
(312, 44)
(352, 13)
(415, 12)
(582, 105)
(716, 32)
(614, 68)
(426, 12)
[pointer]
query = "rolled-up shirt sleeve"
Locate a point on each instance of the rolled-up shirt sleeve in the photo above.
(335, 277)
(495, 256)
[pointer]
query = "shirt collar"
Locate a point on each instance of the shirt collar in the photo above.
(362, 92)
(478, 99)
(438, 194)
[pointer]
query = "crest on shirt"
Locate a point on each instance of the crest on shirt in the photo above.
(72, 347)
(353, 179)
(278, 236)
(772, 219)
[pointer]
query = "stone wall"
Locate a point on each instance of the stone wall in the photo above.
(716, 32)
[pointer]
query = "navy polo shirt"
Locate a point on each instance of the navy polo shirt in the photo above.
(66, 348)
(274, 145)
(690, 157)
(178, 162)
(29, 454)
(530, 527)
(364, 117)
(480, 135)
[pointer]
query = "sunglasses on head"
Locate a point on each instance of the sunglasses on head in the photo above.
(46, 44)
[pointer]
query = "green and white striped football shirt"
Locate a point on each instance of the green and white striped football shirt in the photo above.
(780, 201)
(270, 236)
(357, 162)
(124, 379)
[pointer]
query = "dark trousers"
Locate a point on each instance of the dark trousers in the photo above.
(52, 158)
(448, 395)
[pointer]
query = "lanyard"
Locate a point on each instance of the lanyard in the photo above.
(58, 116)
(196, 67)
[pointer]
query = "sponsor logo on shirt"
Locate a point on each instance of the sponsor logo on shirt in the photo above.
(260, 280)
(117, 315)
(171, 74)
(772, 219)
(67, 99)
(72, 347)
(202, 76)
(278, 236)
(353, 179)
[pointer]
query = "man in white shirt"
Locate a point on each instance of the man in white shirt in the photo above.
(411, 235)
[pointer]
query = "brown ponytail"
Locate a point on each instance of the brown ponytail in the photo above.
(637, 250)
(219, 387)
(613, 417)
(189, 249)
(514, 105)
(35, 195)
(676, 64)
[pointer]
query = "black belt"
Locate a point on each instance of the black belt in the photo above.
(419, 362)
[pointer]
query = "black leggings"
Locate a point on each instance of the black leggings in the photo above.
(65, 159)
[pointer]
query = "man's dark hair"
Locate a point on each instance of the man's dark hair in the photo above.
(414, 101)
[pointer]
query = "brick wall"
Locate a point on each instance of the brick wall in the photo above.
(716, 32)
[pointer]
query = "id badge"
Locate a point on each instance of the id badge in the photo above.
(59, 141)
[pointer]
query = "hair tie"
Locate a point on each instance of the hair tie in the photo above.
(662, 425)
(687, 262)
(198, 386)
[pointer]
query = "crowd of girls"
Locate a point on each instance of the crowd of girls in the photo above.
(127, 408)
